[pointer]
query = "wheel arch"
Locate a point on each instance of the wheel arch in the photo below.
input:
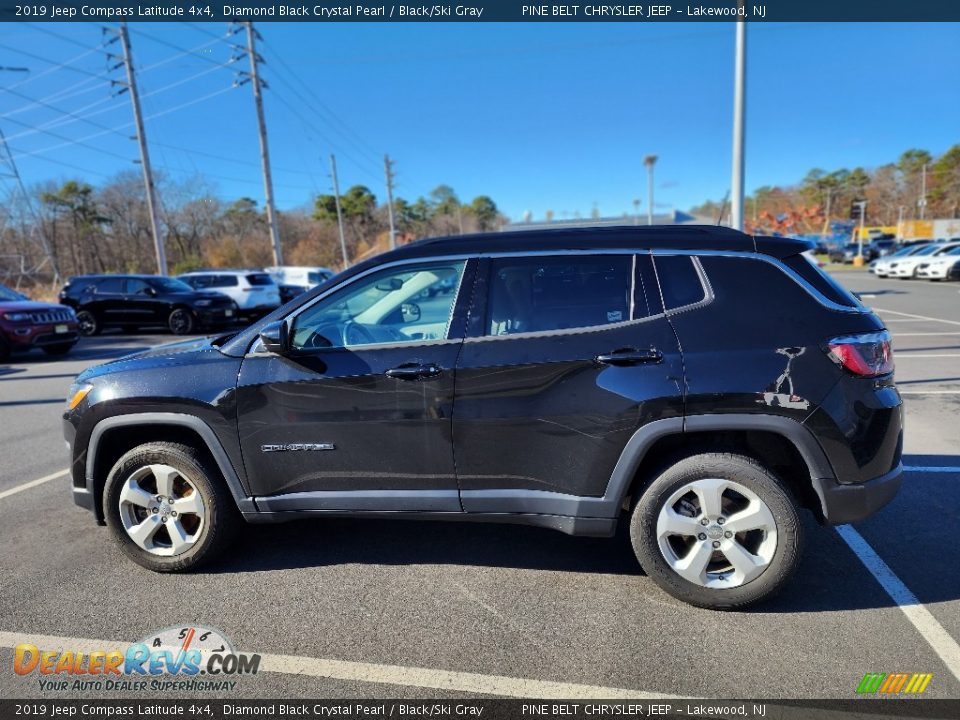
(782, 444)
(114, 436)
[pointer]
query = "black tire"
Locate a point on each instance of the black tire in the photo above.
(221, 517)
(59, 348)
(755, 478)
(88, 323)
(181, 321)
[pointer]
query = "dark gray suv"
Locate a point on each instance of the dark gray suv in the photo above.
(702, 385)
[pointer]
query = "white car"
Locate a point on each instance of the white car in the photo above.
(881, 266)
(906, 267)
(938, 268)
(254, 291)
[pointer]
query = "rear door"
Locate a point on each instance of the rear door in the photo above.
(108, 302)
(565, 357)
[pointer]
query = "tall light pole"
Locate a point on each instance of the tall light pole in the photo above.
(922, 202)
(736, 182)
(650, 161)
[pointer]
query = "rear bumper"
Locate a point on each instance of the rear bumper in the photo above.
(843, 504)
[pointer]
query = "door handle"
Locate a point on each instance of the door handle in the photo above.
(629, 356)
(415, 371)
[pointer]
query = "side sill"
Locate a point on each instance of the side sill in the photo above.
(588, 527)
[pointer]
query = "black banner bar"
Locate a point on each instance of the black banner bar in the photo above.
(481, 11)
(299, 709)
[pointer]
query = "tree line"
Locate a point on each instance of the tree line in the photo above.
(892, 192)
(73, 228)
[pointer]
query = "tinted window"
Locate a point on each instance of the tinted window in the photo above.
(559, 293)
(110, 286)
(137, 287)
(10, 295)
(679, 281)
(260, 279)
(221, 281)
(170, 285)
(826, 285)
(315, 278)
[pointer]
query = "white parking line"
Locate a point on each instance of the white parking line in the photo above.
(918, 317)
(32, 483)
(929, 392)
(902, 355)
(931, 469)
(415, 677)
(926, 624)
(933, 334)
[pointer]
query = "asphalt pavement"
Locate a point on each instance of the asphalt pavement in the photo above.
(371, 608)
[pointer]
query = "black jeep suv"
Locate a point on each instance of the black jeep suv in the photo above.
(134, 301)
(700, 384)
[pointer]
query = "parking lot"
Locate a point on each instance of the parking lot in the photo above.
(369, 608)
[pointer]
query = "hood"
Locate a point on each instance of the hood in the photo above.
(183, 352)
(29, 306)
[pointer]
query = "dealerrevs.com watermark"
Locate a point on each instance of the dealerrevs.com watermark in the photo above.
(188, 659)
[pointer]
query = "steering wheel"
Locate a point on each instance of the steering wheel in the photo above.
(356, 334)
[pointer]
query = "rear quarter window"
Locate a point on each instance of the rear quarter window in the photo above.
(260, 279)
(821, 281)
(680, 282)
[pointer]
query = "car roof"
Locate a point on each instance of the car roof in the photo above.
(626, 237)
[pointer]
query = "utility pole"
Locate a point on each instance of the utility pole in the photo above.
(900, 224)
(650, 161)
(862, 204)
(388, 169)
(736, 183)
(264, 150)
(336, 196)
(144, 153)
(922, 202)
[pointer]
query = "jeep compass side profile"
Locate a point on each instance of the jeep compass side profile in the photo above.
(702, 385)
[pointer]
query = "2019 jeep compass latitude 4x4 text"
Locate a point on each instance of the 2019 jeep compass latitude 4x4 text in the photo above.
(700, 384)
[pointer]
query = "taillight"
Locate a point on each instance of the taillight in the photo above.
(866, 355)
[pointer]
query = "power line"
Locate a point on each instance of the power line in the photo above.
(64, 66)
(70, 140)
(64, 38)
(177, 47)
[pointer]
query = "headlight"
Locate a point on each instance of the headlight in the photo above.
(202, 303)
(76, 394)
(17, 316)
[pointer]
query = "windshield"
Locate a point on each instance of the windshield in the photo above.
(170, 285)
(946, 250)
(911, 250)
(929, 250)
(10, 295)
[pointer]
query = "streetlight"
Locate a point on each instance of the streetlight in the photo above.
(650, 161)
(736, 184)
(862, 205)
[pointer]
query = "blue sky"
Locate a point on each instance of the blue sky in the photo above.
(540, 116)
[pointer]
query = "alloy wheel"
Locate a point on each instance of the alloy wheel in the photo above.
(161, 510)
(716, 533)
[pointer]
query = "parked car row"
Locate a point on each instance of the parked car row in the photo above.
(931, 261)
(199, 300)
(25, 325)
(871, 250)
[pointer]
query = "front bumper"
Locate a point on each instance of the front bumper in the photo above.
(24, 337)
(843, 504)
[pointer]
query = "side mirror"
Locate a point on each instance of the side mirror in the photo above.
(150, 290)
(410, 312)
(275, 337)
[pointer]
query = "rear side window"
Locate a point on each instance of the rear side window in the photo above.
(680, 282)
(560, 293)
(220, 281)
(196, 281)
(806, 268)
(111, 286)
(260, 279)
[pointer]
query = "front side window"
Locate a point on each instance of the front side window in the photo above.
(542, 294)
(137, 287)
(413, 303)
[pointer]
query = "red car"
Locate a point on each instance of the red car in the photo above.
(25, 324)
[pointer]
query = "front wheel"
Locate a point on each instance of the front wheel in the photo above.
(87, 323)
(167, 508)
(181, 321)
(718, 531)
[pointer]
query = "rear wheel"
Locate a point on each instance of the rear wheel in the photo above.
(717, 530)
(88, 323)
(181, 321)
(167, 509)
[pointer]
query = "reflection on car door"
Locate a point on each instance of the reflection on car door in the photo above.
(564, 360)
(356, 425)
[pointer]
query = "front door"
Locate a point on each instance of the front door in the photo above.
(563, 364)
(357, 416)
